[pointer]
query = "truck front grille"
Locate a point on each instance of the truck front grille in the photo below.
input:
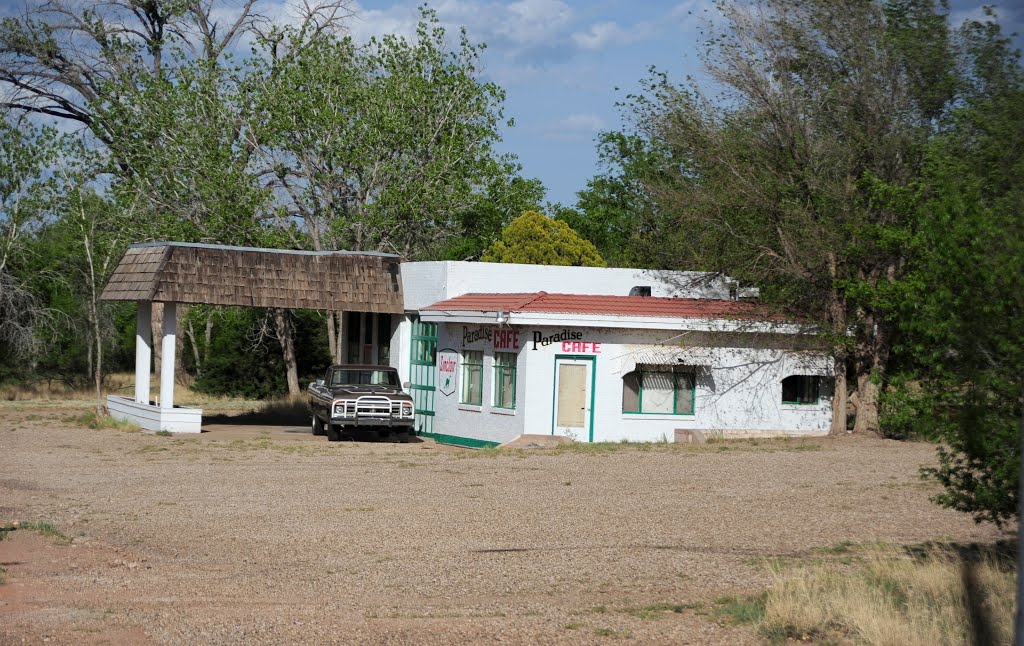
(372, 406)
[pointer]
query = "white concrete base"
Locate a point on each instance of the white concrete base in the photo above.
(153, 418)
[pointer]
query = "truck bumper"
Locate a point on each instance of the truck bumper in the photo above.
(373, 422)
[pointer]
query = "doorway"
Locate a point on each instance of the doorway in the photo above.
(573, 406)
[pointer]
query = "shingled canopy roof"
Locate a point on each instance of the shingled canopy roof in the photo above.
(220, 275)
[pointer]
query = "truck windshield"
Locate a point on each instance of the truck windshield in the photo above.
(364, 378)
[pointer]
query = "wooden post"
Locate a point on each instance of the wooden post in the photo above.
(170, 330)
(375, 339)
(362, 338)
(143, 350)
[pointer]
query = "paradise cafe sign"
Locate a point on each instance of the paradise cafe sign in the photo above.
(503, 339)
(571, 340)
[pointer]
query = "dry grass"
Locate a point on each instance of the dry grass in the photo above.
(54, 390)
(768, 445)
(892, 596)
(46, 389)
(94, 421)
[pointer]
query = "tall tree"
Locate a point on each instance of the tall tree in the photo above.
(94, 231)
(394, 149)
(157, 85)
(613, 210)
(60, 57)
(791, 176)
(534, 239)
(394, 143)
(26, 195)
(960, 315)
(477, 227)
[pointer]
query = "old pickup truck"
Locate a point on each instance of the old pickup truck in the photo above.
(355, 399)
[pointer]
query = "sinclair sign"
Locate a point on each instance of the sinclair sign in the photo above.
(447, 361)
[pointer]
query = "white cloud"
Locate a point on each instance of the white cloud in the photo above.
(602, 34)
(523, 30)
(575, 127)
(581, 122)
(398, 19)
(693, 15)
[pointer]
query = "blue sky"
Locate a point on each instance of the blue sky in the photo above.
(560, 62)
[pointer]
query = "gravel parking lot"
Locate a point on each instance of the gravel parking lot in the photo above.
(270, 535)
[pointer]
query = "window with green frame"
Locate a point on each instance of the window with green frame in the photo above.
(659, 390)
(472, 377)
(801, 389)
(505, 380)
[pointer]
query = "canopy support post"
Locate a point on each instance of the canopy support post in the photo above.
(169, 332)
(143, 351)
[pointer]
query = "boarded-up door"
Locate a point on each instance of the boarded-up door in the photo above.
(572, 398)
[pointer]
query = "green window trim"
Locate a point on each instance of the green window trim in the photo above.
(423, 374)
(471, 391)
(679, 377)
(802, 390)
(504, 381)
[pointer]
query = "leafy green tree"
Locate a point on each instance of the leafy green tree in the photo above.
(534, 239)
(614, 210)
(60, 58)
(393, 145)
(961, 348)
(161, 95)
(243, 364)
(480, 225)
(797, 174)
(393, 151)
(26, 196)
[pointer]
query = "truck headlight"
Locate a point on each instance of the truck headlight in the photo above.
(339, 409)
(407, 410)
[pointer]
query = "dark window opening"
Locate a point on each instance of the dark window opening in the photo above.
(801, 389)
(640, 290)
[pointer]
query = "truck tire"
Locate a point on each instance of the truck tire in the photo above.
(333, 433)
(318, 426)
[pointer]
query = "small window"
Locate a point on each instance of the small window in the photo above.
(472, 377)
(658, 390)
(640, 290)
(505, 380)
(801, 389)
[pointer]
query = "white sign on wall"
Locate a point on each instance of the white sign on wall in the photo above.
(447, 360)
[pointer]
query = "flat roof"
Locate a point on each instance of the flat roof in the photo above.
(631, 306)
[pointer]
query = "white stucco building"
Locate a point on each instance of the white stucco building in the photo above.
(493, 351)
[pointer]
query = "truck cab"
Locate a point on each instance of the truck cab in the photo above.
(355, 400)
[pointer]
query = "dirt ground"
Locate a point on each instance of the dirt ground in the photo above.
(250, 534)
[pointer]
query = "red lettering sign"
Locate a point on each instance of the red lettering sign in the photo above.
(582, 347)
(506, 340)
